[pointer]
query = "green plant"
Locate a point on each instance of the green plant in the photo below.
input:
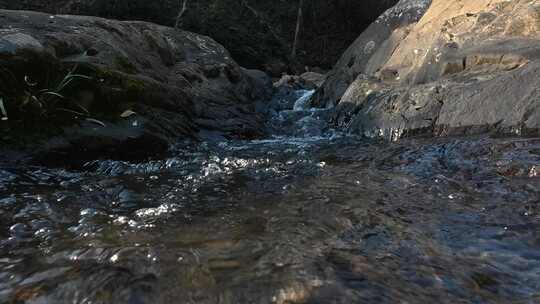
(3, 110)
(29, 97)
(52, 99)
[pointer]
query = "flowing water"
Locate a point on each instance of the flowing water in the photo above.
(306, 216)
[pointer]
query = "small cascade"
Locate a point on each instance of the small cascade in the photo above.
(302, 103)
(291, 115)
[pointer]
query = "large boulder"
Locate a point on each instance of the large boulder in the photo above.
(462, 68)
(376, 41)
(258, 33)
(169, 84)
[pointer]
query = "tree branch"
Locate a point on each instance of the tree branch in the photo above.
(178, 22)
(297, 31)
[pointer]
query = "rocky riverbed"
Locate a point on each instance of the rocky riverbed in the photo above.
(316, 218)
(409, 173)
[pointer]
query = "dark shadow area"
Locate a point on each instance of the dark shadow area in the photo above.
(258, 33)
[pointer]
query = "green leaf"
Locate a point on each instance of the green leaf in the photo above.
(64, 83)
(127, 113)
(54, 94)
(29, 82)
(96, 122)
(81, 107)
(71, 111)
(26, 100)
(3, 109)
(80, 76)
(36, 100)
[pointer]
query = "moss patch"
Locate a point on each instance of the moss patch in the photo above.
(123, 64)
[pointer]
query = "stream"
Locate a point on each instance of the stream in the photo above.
(308, 215)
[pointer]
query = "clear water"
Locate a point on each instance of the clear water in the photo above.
(291, 219)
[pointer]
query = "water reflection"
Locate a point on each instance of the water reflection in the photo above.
(280, 221)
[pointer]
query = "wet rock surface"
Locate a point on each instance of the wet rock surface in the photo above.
(171, 83)
(356, 58)
(459, 69)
